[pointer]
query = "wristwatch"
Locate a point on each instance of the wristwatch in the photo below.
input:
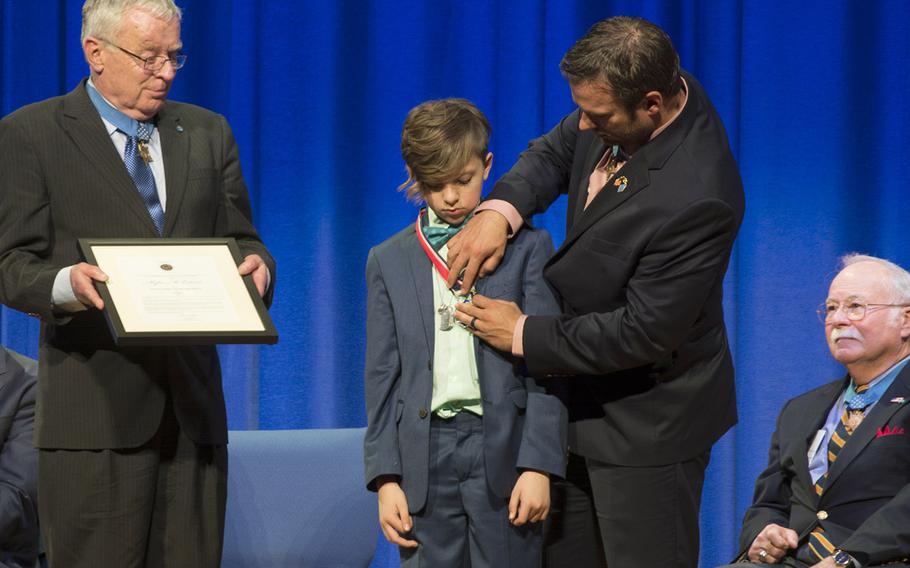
(842, 559)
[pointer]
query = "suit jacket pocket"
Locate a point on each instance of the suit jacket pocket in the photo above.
(501, 291)
(609, 248)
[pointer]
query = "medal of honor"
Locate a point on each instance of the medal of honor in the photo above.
(144, 153)
(854, 417)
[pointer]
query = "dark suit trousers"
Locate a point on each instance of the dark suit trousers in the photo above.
(463, 522)
(159, 505)
(647, 516)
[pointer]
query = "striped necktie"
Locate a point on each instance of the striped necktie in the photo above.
(818, 543)
(142, 176)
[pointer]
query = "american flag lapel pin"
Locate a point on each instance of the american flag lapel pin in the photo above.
(898, 400)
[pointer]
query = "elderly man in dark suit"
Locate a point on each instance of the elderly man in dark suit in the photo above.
(132, 441)
(18, 462)
(836, 492)
(640, 352)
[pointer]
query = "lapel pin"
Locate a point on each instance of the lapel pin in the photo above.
(898, 400)
(621, 183)
(179, 128)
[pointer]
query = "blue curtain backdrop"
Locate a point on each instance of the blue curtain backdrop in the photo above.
(812, 94)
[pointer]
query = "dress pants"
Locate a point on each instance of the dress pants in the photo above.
(159, 505)
(462, 519)
(646, 517)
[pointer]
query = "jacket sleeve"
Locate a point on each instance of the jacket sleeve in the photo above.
(673, 278)
(542, 172)
(771, 502)
(235, 215)
(382, 372)
(26, 274)
(18, 460)
(544, 437)
(885, 535)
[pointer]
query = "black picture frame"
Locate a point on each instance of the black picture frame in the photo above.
(124, 338)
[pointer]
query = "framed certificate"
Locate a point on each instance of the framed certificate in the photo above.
(177, 292)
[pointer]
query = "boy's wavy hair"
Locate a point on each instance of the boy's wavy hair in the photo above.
(438, 139)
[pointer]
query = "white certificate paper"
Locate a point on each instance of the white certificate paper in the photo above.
(185, 289)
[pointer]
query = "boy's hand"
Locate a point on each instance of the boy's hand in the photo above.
(393, 514)
(530, 500)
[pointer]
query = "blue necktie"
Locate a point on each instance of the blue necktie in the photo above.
(143, 178)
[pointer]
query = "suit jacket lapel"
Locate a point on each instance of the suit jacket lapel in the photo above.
(811, 421)
(84, 125)
(422, 281)
(578, 197)
(883, 410)
(175, 142)
(651, 156)
(636, 170)
(482, 286)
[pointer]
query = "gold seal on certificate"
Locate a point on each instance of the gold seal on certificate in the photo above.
(177, 291)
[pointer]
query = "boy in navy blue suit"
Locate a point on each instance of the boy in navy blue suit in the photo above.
(460, 444)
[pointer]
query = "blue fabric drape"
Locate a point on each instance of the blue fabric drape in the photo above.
(812, 94)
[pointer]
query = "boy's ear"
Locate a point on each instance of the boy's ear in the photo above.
(487, 164)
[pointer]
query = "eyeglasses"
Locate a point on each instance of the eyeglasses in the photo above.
(156, 62)
(855, 309)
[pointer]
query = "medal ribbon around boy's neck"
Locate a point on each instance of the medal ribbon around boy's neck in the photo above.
(441, 266)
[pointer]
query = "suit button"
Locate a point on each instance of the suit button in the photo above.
(822, 515)
(423, 413)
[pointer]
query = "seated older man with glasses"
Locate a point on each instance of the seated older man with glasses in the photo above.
(836, 491)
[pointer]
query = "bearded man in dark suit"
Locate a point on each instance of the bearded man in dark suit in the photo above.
(132, 441)
(640, 352)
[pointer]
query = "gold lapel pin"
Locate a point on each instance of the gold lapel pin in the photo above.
(621, 183)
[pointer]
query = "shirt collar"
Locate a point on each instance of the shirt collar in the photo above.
(879, 384)
(114, 119)
(685, 93)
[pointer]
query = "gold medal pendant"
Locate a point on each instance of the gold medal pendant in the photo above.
(144, 153)
(854, 418)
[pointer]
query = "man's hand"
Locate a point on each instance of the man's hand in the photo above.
(478, 248)
(775, 540)
(253, 264)
(826, 563)
(530, 500)
(393, 514)
(82, 278)
(491, 320)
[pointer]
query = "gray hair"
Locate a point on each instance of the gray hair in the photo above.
(103, 18)
(899, 278)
